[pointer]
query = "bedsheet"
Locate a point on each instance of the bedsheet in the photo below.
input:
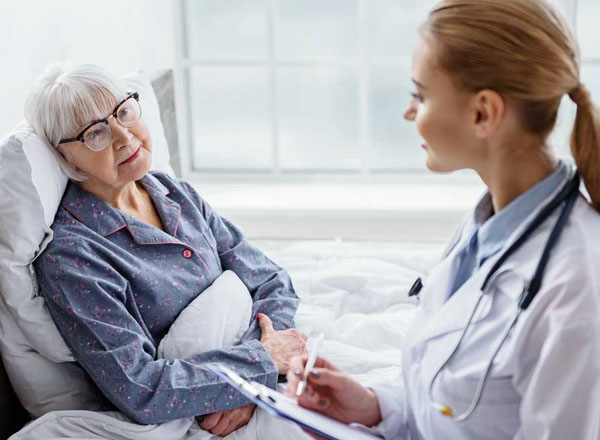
(354, 292)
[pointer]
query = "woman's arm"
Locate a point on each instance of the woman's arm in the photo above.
(270, 285)
(97, 315)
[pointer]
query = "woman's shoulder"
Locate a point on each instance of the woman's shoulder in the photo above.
(172, 183)
(178, 189)
(70, 238)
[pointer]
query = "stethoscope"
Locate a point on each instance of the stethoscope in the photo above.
(567, 195)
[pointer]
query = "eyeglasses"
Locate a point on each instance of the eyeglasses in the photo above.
(97, 135)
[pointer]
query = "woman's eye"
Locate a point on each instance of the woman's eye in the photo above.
(94, 134)
(124, 112)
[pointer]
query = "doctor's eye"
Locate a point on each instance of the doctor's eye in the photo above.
(416, 96)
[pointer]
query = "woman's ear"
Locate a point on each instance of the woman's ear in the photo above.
(67, 156)
(489, 109)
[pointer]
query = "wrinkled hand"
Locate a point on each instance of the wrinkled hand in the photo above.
(282, 345)
(331, 392)
(223, 423)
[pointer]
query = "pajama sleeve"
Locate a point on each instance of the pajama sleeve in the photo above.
(270, 285)
(96, 313)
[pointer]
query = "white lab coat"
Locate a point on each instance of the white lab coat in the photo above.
(545, 383)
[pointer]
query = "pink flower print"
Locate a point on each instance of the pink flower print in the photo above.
(78, 263)
(98, 312)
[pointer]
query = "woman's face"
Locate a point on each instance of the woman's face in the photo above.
(442, 113)
(110, 167)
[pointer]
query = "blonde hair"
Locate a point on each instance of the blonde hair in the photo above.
(523, 50)
(66, 97)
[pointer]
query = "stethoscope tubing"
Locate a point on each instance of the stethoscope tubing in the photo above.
(567, 195)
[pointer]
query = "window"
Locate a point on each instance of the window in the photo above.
(588, 14)
(277, 88)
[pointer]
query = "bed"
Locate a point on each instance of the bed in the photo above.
(354, 292)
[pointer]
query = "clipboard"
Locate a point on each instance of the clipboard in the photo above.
(287, 408)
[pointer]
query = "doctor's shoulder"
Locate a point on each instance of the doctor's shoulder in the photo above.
(572, 279)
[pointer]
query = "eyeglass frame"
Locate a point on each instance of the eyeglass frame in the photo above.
(79, 137)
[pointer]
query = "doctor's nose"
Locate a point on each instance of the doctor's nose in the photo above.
(410, 113)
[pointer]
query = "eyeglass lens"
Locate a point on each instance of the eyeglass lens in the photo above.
(98, 135)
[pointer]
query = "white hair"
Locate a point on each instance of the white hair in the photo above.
(64, 99)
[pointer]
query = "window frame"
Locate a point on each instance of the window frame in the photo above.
(183, 65)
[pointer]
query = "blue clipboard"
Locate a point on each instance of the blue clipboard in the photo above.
(282, 406)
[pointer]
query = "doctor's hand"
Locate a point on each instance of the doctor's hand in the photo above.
(333, 393)
(223, 423)
(282, 345)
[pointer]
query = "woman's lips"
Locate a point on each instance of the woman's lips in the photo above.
(132, 157)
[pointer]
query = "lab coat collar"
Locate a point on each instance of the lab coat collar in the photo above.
(493, 230)
(447, 315)
(104, 219)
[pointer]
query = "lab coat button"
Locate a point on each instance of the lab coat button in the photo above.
(187, 254)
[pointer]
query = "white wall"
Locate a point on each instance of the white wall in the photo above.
(120, 35)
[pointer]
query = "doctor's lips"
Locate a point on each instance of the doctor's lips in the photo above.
(132, 157)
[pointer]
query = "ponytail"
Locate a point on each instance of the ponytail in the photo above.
(524, 50)
(585, 145)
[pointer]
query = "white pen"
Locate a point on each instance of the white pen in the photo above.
(310, 363)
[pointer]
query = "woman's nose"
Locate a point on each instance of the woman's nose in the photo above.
(121, 136)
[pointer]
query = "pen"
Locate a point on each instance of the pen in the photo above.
(310, 364)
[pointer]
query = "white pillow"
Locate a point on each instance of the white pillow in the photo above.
(217, 318)
(39, 364)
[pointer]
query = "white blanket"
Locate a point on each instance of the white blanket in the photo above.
(354, 292)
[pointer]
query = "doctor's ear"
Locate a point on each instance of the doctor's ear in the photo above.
(488, 110)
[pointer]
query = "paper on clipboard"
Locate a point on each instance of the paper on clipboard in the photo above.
(282, 406)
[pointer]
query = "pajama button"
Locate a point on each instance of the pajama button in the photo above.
(187, 254)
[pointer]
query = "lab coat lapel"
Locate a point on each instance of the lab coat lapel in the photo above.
(440, 316)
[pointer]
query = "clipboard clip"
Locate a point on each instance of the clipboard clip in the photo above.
(222, 370)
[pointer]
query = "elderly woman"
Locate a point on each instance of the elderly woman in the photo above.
(132, 249)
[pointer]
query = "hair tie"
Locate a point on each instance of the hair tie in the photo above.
(580, 95)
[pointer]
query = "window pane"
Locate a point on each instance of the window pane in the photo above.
(588, 13)
(590, 76)
(318, 118)
(561, 135)
(231, 117)
(221, 29)
(395, 143)
(316, 28)
(393, 24)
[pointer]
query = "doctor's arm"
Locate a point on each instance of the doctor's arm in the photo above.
(559, 375)
(381, 409)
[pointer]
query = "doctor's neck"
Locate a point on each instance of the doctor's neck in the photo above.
(512, 169)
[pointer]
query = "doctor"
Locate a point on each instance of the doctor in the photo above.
(489, 77)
